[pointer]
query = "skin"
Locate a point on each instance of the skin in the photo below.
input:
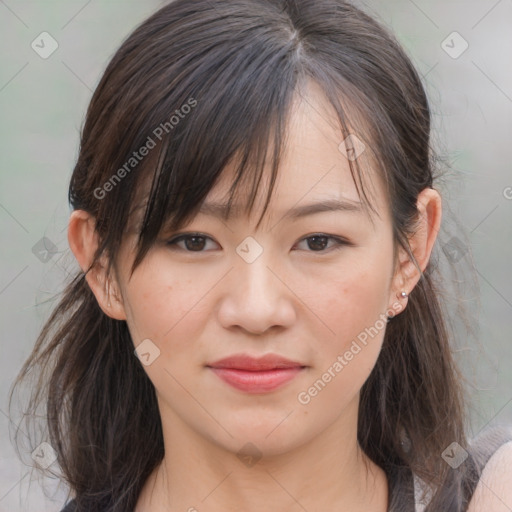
(294, 300)
(493, 492)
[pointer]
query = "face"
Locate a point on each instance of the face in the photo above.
(314, 289)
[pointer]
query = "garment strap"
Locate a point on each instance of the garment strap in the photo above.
(70, 506)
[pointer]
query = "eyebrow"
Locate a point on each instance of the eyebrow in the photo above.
(330, 205)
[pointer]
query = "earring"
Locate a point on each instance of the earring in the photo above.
(401, 295)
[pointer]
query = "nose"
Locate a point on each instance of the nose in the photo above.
(256, 297)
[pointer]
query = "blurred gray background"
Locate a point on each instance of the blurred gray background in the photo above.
(461, 48)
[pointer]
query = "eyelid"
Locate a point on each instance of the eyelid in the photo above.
(340, 238)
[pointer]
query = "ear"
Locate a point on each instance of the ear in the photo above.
(83, 240)
(429, 206)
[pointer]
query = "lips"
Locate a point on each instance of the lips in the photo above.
(249, 363)
(256, 375)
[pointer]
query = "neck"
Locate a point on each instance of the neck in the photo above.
(329, 472)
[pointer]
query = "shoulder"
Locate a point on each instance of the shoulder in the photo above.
(494, 490)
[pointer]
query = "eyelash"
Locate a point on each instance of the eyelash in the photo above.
(340, 242)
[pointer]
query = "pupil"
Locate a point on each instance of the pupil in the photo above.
(189, 242)
(316, 238)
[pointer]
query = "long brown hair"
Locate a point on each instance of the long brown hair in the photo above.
(200, 84)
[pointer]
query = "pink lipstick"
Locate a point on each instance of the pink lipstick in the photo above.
(256, 375)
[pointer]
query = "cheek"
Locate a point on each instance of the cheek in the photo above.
(171, 308)
(168, 308)
(349, 304)
(152, 308)
(351, 331)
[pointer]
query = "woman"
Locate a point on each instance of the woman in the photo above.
(256, 324)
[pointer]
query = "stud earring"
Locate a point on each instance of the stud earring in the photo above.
(401, 295)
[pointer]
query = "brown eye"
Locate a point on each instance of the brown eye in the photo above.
(319, 242)
(193, 242)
